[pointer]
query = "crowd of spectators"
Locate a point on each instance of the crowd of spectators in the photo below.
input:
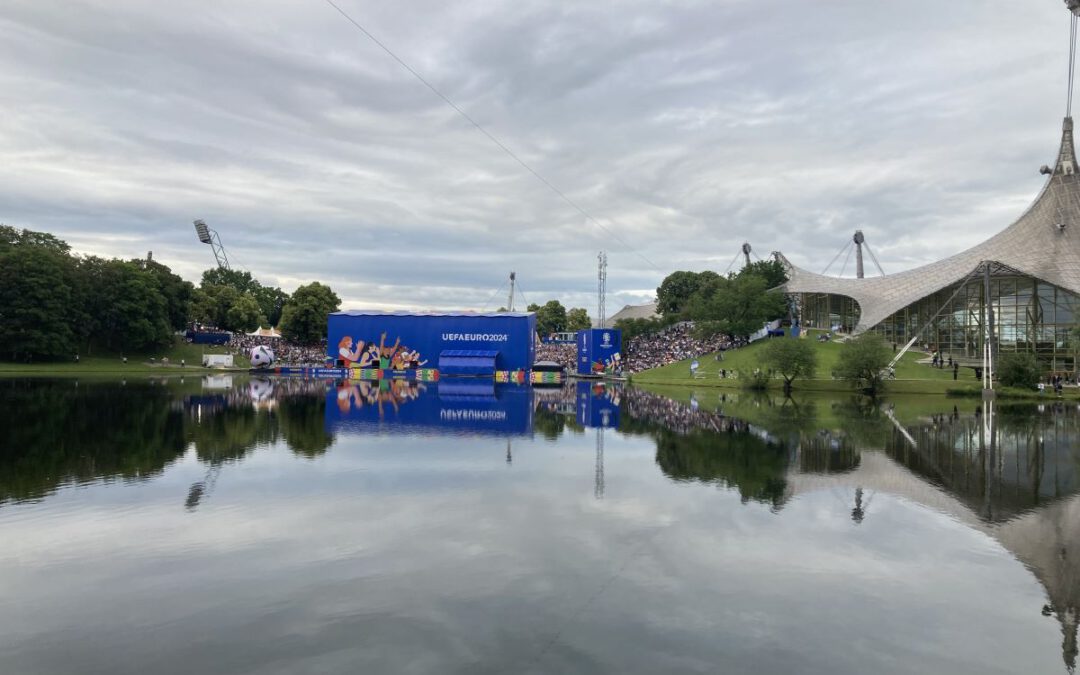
(563, 353)
(285, 352)
(646, 351)
(670, 345)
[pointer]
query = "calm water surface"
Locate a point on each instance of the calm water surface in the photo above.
(232, 526)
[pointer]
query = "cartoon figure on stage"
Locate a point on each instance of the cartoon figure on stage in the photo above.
(348, 355)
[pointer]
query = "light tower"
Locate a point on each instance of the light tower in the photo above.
(601, 290)
(513, 283)
(208, 236)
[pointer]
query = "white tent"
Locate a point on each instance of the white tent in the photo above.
(265, 333)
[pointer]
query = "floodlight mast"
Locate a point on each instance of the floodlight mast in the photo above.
(208, 236)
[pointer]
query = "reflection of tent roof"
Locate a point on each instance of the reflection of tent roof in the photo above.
(265, 333)
(1042, 244)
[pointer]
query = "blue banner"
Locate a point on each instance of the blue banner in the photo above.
(598, 351)
(408, 340)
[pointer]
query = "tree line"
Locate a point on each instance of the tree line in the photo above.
(736, 305)
(54, 304)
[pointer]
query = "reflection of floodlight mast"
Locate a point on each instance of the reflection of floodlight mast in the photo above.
(208, 236)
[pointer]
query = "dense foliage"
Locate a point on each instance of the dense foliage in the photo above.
(55, 305)
(1018, 369)
(553, 317)
(791, 358)
(863, 360)
(303, 319)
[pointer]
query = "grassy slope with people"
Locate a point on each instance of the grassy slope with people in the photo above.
(180, 350)
(911, 376)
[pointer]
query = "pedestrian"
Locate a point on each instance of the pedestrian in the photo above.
(76, 358)
(125, 360)
(950, 360)
(182, 364)
(955, 370)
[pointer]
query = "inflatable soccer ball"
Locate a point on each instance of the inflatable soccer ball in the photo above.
(261, 356)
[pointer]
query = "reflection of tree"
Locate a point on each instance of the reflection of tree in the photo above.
(231, 432)
(54, 433)
(736, 459)
(548, 424)
(303, 426)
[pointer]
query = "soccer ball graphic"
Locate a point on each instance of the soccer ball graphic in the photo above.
(261, 356)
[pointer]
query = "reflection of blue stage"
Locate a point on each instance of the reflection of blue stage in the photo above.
(470, 406)
(597, 405)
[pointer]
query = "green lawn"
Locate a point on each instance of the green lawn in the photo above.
(137, 363)
(911, 377)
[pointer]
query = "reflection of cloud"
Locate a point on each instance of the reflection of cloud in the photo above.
(424, 553)
(316, 155)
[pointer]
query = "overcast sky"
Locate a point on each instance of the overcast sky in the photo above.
(685, 127)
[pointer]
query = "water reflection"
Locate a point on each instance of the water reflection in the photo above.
(1007, 474)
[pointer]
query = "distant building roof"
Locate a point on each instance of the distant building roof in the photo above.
(646, 311)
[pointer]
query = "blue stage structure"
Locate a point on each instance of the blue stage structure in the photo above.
(599, 351)
(453, 344)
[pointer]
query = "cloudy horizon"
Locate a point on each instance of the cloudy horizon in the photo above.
(686, 127)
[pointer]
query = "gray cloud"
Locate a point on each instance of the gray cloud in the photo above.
(686, 127)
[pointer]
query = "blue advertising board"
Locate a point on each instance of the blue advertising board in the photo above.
(461, 406)
(598, 351)
(415, 340)
(597, 405)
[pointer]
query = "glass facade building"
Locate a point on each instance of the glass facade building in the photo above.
(1034, 285)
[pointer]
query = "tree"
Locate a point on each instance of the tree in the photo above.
(211, 304)
(132, 313)
(303, 319)
(578, 319)
(736, 307)
(34, 298)
(1018, 370)
(11, 237)
(792, 358)
(675, 291)
(241, 280)
(271, 301)
(176, 291)
(245, 314)
(772, 271)
(863, 360)
(551, 318)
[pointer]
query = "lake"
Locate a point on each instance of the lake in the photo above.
(233, 525)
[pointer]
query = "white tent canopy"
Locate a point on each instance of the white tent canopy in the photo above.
(265, 333)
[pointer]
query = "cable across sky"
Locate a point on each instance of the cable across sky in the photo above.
(491, 137)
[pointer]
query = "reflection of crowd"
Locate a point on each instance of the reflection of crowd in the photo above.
(670, 345)
(562, 353)
(678, 417)
(285, 353)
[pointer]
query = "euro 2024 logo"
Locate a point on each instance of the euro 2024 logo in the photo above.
(606, 342)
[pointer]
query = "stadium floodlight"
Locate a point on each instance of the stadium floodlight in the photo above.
(208, 236)
(203, 231)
